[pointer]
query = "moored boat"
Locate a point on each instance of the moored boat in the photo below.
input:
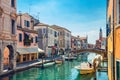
(87, 68)
(48, 64)
(58, 61)
(68, 58)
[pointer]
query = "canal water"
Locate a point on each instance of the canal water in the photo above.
(64, 71)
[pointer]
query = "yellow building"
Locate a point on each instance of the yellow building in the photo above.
(113, 39)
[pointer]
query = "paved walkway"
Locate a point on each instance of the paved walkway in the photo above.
(29, 64)
(32, 63)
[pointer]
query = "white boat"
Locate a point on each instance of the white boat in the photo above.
(69, 58)
(48, 64)
(59, 61)
(85, 67)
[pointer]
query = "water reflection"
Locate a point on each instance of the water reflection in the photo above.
(85, 77)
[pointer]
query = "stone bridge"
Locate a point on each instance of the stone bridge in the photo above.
(97, 51)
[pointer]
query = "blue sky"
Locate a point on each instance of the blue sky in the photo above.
(82, 17)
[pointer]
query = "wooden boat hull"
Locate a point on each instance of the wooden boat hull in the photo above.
(86, 71)
(58, 61)
(48, 64)
(69, 58)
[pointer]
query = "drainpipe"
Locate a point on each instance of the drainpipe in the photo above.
(113, 45)
(20, 14)
(106, 32)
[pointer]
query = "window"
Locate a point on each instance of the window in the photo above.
(63, 33)
(13, 3)
(68, 44)
(13, 26)
(108, 26)
(55, 43)
(75, 42)
(44, 30)
(36, 39)
(55, 34)
(26, 23)
(107, 3)
(67, 34)
(27, 41)
(51, 31)
(60, 33)
(108, 30)
(48, 30)
(61, 43)
(31, 40)
(20, 37)
(117, 70)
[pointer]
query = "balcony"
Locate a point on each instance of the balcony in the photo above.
(19, 27)
(27, 42)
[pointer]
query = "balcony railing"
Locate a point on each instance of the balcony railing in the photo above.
(27, 42)
(19, 27)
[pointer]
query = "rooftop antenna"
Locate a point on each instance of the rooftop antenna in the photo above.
(38, 16)
(29, 8)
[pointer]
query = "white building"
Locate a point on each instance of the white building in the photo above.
(48, 38)
(64, 38)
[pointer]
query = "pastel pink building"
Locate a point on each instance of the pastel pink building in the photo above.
(27, 38)
(7, 35)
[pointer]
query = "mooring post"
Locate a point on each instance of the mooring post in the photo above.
(42, 63)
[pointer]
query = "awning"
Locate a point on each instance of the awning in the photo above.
(40, 50)
(29, 50)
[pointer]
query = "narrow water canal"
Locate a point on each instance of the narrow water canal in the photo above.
(64, 71)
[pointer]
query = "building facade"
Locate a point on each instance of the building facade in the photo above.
(64, 38)
(48, 39)
(84, 42)
(101, 42)
(113, 39)
(27, 39)
(91, 46)
(75, 43)
(7, 34)
(79, 42)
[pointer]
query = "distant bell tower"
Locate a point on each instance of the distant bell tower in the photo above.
(100, 34)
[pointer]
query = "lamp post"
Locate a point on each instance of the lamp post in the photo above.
(44, 44)
(42, 63)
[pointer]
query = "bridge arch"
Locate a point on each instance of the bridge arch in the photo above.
(100, 52)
